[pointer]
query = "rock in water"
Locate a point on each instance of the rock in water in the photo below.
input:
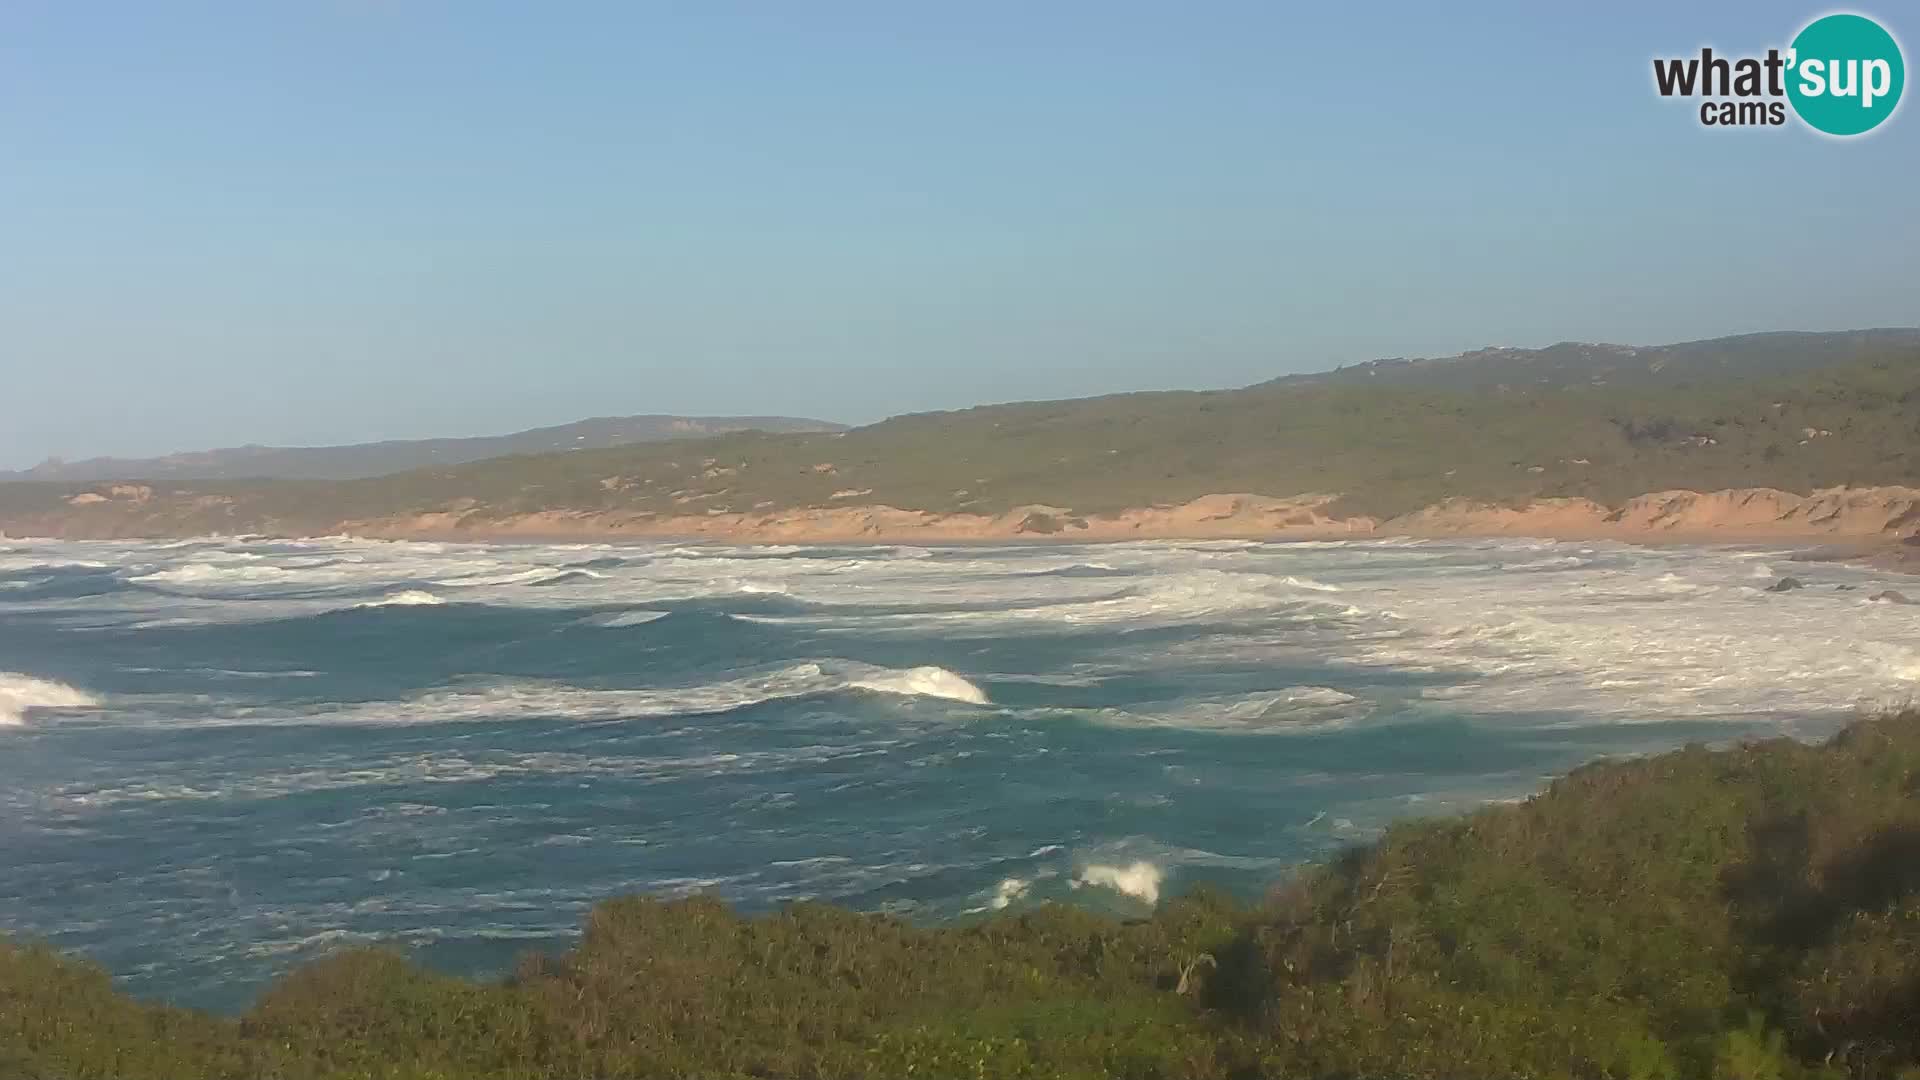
(1786, 584)
(1891, 596)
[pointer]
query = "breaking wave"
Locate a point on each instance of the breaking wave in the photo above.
(615, 619)
(1109, 724)
(201, 573)
(1082, 570)
(1139, 879)
(922, 682)
(513, 577)
(19, 693)
(568, 577)
(529, 699)
(1289, 710)
(1009, 890)
(404, 598)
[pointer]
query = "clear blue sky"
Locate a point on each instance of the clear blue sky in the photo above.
(334, 221)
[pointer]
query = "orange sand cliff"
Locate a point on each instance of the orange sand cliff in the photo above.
(1757, 514)
(1863, 516)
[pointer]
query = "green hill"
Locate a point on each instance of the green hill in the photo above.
(1744, 914)
(1572, 364)
(396, 455)
(1789, 411)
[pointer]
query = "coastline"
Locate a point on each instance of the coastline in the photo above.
(1619, 850)
(1877, 524)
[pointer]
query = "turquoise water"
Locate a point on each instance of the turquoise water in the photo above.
(221, 758)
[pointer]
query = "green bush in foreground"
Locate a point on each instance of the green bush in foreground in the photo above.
(1742, 914)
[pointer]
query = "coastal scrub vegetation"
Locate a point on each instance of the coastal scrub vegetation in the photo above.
(1748, 913)
(1795, 412)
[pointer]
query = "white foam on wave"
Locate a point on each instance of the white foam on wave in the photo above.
(1289, 710)
(493, 577)
(243, 579)
(1556, 562)
(918, 587)
(526, 699)
(615, 619)
(530, 699)
(570, 576)
(1079, 676)
(1087, 568)
(1608, 633)
(1009, 890)
(1643, 636)
(36, 563)
(226, 673)
(207, 573)
(19, 693)
(404, 598)
(1139, 879)
(935, 682)
(1900, 663)
(990, 603)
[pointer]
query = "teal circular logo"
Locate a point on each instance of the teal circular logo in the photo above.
(1845, 74)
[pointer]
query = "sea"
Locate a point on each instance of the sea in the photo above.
(221, 758)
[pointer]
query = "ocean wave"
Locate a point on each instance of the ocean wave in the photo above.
(1656, 636)
(497, 577)
(404, 598)
(528, 699)
(1308, 584)
(224, 673)
(1080, 570)
(1557, 562)
(607, 562)
(1139, 879)
(572, 576)
(249, 576)
(1080, 679)
(1008, 891)
(1288, 710)
(614, 619)
(447, 767)
(19, 693)
(207, 573)
(38, 563)
(799, 553)
(1314, 696)
(1901, 663)
(1507, 626)
(1163, 597)
(935, 682)
(847, 792)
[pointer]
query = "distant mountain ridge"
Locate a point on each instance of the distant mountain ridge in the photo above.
(359, 460)
(1793, 413)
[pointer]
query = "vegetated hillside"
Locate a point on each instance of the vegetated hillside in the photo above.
(1572, 363)
(1742, 914)
(1389, 445)
(379, 458)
